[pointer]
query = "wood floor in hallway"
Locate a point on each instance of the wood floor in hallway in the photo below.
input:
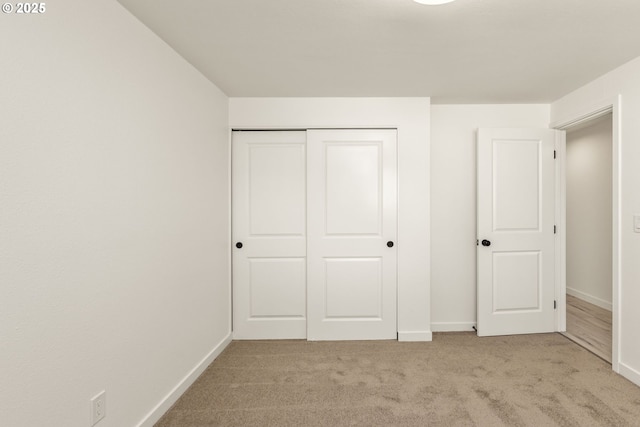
(589, 326)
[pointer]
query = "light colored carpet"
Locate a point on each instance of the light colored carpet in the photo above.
(456, 380)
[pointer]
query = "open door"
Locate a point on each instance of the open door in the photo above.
(516, 211)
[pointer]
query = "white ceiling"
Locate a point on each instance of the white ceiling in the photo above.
(469, 51)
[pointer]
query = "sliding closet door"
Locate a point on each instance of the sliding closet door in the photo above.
(352, 229)
(269, 235)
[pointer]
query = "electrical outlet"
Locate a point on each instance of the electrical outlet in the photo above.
(98, 407)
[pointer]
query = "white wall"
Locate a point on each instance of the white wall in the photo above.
(113, 217)
(411, 117)
(453, 203)
(589, 237)
(623, 81)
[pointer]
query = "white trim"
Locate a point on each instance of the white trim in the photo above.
(590, 112)
(561, 237)
(587, 114)
(230, 230)
(629, 373)
(453, 326)
(165, 404)
(590, 299)
(415, 336)
(616, 262)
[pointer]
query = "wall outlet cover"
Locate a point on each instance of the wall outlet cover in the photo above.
(98, 407)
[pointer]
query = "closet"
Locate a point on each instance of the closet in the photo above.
(314, 226)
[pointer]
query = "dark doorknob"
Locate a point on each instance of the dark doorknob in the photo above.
(390, 244)
(486, 243)
(239, 245)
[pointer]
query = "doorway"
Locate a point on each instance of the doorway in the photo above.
(589, 234)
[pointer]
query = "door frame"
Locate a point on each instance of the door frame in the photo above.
(400, 336)
(610, 105)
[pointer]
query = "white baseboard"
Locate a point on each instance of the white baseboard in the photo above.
(590, 299)
(415, 336)
(629, 373)
(452, 326)
(171, 398)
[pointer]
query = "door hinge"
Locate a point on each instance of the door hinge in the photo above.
(554, 154)
(555, 229)
(555, 304)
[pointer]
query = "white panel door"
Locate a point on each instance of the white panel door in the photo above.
(269, 235)
(352, 229)
(516, 178)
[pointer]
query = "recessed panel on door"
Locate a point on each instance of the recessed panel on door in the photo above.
(516, 168)
(269, 235)
(277, 288)
(353, 188)
(277, 189)
(523, 269)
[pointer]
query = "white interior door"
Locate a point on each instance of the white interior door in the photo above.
(269, 235)
(352, 228)
(516, 284)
